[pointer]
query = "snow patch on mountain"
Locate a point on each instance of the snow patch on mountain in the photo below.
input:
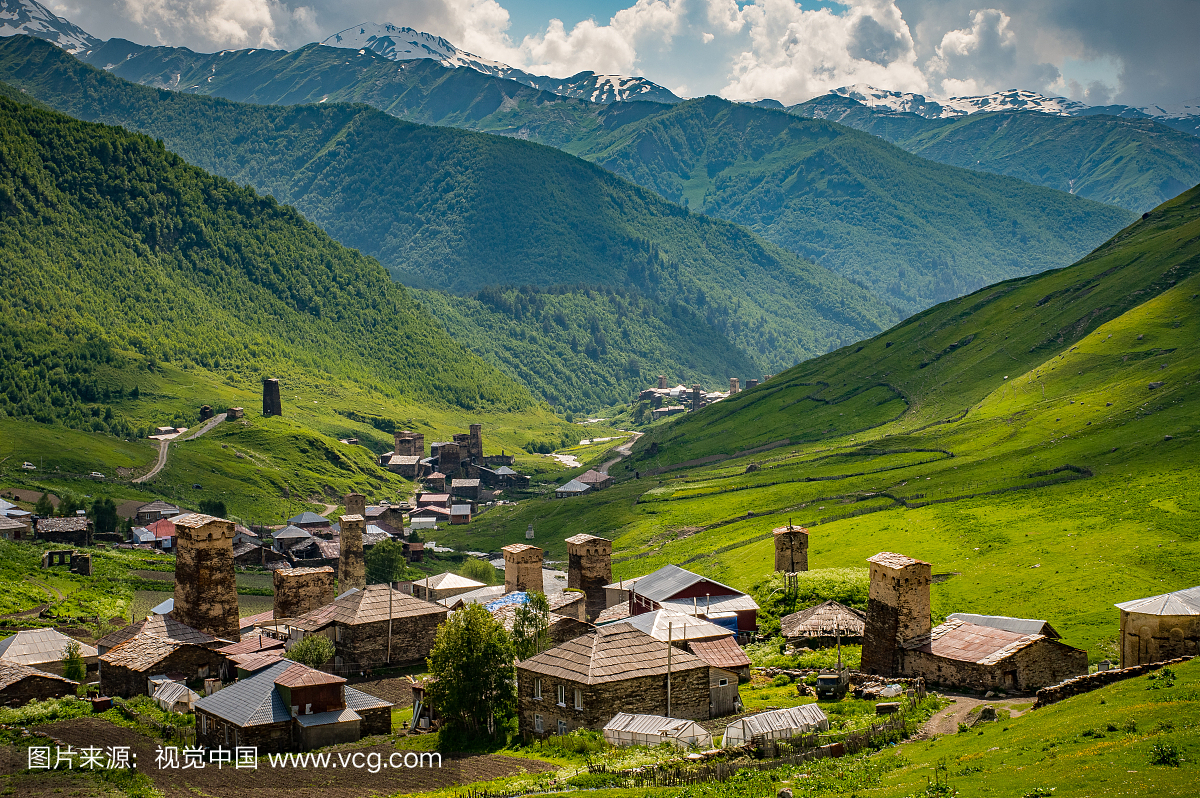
(407, 44)
(1009, 100)
(34, 19)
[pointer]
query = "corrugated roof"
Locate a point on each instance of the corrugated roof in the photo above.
(620, 653)
(162, 528)
(967, 642)
(157, 506)
(624, 584)
(1024, 626)
(657, 624)
(448, 581)
(654, 725)
(358, 700)
(164, 607)
(824, 620)
(251, 621)
(308, 518)
(257, 660)
(709, 605)
(792, 720)
(140, 652)
(251, 701)
(669, 580)
(505, 471)
(172, 692)
(367, 606)
(464, 483)
(38, 646)
(13, 672)
(1181, 602)
(574, 486)
(325, 718)
(292, 532)
(721, 652)
(460, 509)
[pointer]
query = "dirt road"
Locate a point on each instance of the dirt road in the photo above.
(946, 721)
(162, 449)
(623, 451)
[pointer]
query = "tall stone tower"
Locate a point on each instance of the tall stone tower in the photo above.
(356, 504)
(734, 386)
(409, 443)
(205, 590)
(791, 549)
(662, 382)
(272, 406)
(450, 456)
(522, 568)
(352, 568)
(897, 609)
(301, 590)
(475, 448)
(697, 398)
(589, 568)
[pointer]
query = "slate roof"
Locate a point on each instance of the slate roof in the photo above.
(721, 652)
(657, 624)
(366, 606)
(671, 579)
(583, 538)
(824, 620)
(195, 520)
(13, 672)
(614, 613)
(74, 523)
(1181, 602)
(464, 483)
(403, 459)
(564, 599)
(252, 701)
(37, 646)
(308, 518)
(1024, 626)
(967, 642)
(158, 507)
(10, 523)
(163, 626)
(591, 477)
(574, 486)
(620, 653)
(141, 652)
(504, 471)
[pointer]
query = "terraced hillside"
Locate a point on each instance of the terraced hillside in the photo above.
(1035, 441)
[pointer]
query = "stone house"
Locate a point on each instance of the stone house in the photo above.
(165, 626)
(585, 682)
(286, 706)
(572, 488)
(75, 530)
(561, 628)
(126, 669)
(1160, 627)
(433, 500)
(595, 480)
(372, 626)
(310, 521)
(714, 644)
(149, 513)
(12, 529)
(465, 488)
(43, 649)
(20, 684)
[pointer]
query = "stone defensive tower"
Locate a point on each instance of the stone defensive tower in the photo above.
(734, 386)
(751, 384)
(450, 456)
(522, 568)
(272, 406)
(791, 549)
(301, 590)
(352, 568)
(409, 443)
(897, 609)
(697, 398)
(205, 590)
(475, 446)
(356, 504)
(662, 382)
(589, 568)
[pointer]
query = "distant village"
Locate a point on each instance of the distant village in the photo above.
(642, 659)
(666, 401)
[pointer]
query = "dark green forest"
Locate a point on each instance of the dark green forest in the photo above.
(118, 257)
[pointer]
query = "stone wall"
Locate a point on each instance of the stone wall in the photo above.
(589, 568)
(352, 567)
(376, 721)
(367, 643)
(205, 586)
(690, 699)
(190, 660)
(270, 738)
(301, 590)
(1153, 638)
(1042, 663)
(1093, 681)
(35, 688)
(791, 549)
(898, 609)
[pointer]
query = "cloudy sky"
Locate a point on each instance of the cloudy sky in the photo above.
(1097, 51)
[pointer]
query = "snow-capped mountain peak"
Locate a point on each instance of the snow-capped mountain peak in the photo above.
(34, 19)
(407, 44)
(1008, 100)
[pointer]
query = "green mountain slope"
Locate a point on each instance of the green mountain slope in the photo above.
(908, 229)
(138, 287)
(445, 208)
(1133, 163)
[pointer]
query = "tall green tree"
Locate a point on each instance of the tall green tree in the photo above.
(104, 516)
(385, 562)
(531, 626)
(44, 507)
(479, 570)
(313, 651)
(214, 507)
(473, 686)
(74, 667)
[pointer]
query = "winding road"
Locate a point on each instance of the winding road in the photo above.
(162, 449)
(623, 451)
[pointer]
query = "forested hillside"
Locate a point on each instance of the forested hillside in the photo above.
(913, 231)
(444, 208)
(1133, 163)
(119, 258)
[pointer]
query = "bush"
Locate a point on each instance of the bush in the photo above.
(479, 570)
(1164, 754)
(74, 668)
(313, 651)
(781, 681)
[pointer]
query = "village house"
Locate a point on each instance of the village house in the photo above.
(164, 533)
(310, 522)
(12, 529)
(465, 488)
(149, 513)
(559, 628)
(460, 514)
(824, 625)
(20, 684)
(585, 682)
(373, 626)
(1160, 627)
(43, 649)
(443, 586)
(286, 706)
(436, 482)
(429, 516)
(570, 489)
(898, 638)
(433, 500)
(74, 530)
(675, 588)
(163, 626)
(290, 537)
(714, 644)
(126, 669)
(595, 480)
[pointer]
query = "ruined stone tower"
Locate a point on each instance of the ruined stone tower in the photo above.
(409, 443)
(356, 504)
(522, 568)
(272, 406)
(751, 384)
(791, 549)
(734, 386)
(301, 590)
(352, 568)
(589, 568)
(205, 590)
(897, 609)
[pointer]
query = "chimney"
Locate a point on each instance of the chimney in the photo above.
(791, 549)
(589, 568)
(205, 586)
(522, 568)
(898, 609)
(352, 568)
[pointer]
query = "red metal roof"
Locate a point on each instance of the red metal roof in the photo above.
(724, 652)
(301, 675)
(162, 528)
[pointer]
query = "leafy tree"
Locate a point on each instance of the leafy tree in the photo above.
(104, 516)
(68, 504)
(479, 570)
(473, 687)
(74, 668)
(43, 507)
(214, 507)
(531, 626)
(313, 651)
(385, 562)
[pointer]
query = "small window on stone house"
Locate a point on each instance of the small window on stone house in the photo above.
(578, 698)
(538, 725)
(537, 689)
(562, 695)
(723, 683)
(562, 727)
(202, 672)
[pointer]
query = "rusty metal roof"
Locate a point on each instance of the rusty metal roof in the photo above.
(257, 660)
(299, 675)
(621, 653)
(722, 652)
(252, 644)
(968, 642)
